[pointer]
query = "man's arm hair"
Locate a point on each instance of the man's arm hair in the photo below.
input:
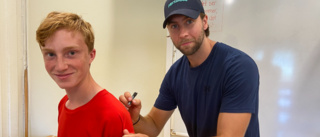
(233, 124)
(153, 123)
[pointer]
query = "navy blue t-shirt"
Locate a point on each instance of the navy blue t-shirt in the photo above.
(227, 81)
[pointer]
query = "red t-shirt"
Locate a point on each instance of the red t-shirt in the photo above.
(102, 116)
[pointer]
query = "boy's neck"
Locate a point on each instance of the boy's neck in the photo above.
(82, 94)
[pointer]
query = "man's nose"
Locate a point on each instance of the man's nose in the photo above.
(183, 32)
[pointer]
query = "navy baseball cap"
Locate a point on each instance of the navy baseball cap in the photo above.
(189, 8)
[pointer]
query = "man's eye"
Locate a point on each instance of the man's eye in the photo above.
(189, 21)
(174, 26)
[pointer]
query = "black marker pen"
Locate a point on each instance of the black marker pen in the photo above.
(133, 96)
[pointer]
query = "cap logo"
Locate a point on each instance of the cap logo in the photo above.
(175, 1)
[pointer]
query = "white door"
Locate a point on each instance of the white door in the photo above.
(177, 127)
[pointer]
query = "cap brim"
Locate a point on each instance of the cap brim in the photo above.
(186, 12)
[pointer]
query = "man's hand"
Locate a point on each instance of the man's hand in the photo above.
(127, 134)
(134, 108)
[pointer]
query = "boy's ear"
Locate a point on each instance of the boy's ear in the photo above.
(92, 55)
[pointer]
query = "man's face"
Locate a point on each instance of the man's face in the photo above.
(186, 33)
(67, 59)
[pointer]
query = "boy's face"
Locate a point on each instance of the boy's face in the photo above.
(67, 59)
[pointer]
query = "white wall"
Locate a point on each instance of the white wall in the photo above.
(131, 53)
(283, 38)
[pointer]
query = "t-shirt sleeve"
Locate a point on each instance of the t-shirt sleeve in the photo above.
(241, 85)
(116, 124)
(166, 100)
(127, 122)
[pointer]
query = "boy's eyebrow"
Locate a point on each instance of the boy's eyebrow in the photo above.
(69, 48)
(43, 49)
(64, 49)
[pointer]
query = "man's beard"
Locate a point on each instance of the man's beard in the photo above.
(198, 42)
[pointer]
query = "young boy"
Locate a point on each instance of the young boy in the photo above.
(67, 44)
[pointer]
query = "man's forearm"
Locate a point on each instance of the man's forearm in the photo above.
(147, 126)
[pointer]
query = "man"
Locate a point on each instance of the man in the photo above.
(214, 85)
(88, 110)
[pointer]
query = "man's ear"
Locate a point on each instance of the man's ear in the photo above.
(205, 22)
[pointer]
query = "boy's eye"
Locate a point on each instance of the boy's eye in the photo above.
(72, 53)
(50, 54)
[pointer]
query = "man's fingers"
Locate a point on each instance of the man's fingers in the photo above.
(136, 102)
(128, 95)
(123, 100)
(126, 132)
